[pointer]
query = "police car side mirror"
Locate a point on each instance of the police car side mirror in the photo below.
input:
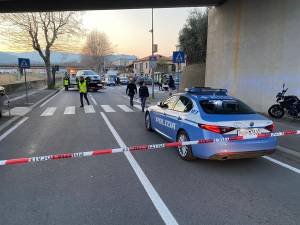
(162, 105)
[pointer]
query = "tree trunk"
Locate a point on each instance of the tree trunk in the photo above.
(50, 82)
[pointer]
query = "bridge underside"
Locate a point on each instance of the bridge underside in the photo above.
(53, 5)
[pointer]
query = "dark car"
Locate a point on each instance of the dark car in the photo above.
(94, 80)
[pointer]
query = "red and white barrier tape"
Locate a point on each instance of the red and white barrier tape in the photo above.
(142, 148)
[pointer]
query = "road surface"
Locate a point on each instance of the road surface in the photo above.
(150, 187)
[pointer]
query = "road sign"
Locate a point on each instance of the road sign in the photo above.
(178, 57)
(152, 61)
(152, 58)
(24, 63)
(155, 48)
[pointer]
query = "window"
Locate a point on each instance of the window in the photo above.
(146, 65)
(171, 101)
(184, 104)
(218, 106)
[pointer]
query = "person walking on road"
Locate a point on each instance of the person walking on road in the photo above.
(171, 85)
(83, 88)
(160, 83)
(144, 94)
(66, 82)
(131, 90)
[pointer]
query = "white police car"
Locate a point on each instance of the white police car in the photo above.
(206, 113)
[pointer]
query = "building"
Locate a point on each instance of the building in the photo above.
(143, 66)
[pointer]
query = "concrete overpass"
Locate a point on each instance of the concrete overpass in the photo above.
(48, 5)
(253, 48)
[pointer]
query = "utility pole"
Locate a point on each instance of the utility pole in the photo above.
(152, 46)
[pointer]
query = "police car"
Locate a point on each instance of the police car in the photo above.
(206, 113)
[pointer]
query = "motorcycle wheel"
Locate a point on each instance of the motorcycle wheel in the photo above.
(276, 111)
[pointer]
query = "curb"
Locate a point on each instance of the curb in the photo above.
(288, 151)
(13, 119)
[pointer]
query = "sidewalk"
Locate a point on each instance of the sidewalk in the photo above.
(18, 106)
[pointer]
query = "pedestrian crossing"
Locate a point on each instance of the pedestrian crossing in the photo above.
(90, 109)
(125, 108)
(69, 110)
(49, 111)
(107, 108)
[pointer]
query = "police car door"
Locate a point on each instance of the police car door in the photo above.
(178, 115)
(161, 120)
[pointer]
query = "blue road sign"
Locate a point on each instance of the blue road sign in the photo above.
(152, 58)
(24, 63)
(178, 57)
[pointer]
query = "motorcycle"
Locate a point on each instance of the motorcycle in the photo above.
(289, 104)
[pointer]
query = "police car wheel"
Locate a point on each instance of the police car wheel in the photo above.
(185, 152)
(148, 122)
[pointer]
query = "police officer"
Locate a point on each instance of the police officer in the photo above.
(83, 88)
(66, 82)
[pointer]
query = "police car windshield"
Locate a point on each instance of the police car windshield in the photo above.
(89, 73)
(226, 106)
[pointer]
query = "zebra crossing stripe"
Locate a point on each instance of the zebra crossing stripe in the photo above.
(107, 108)
(69, 110)
(89, 109)
(138, 107)
(125, 108)
(49, 111)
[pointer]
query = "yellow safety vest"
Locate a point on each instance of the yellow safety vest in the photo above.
(66, 82)
(82, 87)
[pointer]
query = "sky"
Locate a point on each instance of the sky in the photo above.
(128, 30)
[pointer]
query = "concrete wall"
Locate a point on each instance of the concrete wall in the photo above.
(253, 48)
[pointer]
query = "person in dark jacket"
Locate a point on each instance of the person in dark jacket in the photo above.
(171, 84)
(144, 94)
(131, 90)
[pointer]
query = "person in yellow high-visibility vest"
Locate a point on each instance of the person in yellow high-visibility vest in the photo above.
(66, 83)
(83, 88)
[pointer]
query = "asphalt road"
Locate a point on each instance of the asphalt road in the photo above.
(152, 187)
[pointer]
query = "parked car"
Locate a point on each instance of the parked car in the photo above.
(110, 80)
(124, 80)
(205, 113)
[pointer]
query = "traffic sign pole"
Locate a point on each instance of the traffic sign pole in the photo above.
(23, 65)
(26, 86)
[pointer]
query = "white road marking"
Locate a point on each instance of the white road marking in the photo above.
(93, 100)
(159, 204)
(138, 107)
(42, 105)
(10, 130)
(49, 111)
(69, 110)
(282, 164)
(17, 111)
(89, 109)
(135, 99)
(107, 108)
(125, 108)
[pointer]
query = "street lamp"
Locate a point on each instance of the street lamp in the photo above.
(152, 53)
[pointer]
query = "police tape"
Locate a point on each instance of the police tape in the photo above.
(143, 148)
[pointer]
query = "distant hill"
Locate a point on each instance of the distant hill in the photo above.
(56, 57)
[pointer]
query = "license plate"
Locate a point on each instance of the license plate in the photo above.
(248, 132)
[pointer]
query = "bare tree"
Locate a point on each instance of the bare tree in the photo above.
(41, 31)
(97, 46)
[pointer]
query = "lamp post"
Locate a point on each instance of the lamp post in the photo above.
(152, 53)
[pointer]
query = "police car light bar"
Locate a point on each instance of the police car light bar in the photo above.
(206, 91)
